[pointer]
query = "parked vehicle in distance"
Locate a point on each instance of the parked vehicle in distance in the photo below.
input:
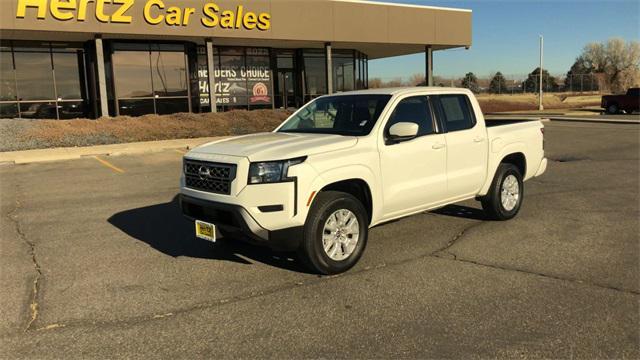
(614, 104)
(345, 163)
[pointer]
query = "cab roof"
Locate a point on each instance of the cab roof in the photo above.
(403, 91)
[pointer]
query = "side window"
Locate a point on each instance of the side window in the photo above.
(455, 111)
(634, 92)
(416, 110)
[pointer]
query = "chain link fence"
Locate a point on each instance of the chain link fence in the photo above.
(504, 84)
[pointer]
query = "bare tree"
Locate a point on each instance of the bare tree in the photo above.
(396, 82)
(375, 83)
(617, 62)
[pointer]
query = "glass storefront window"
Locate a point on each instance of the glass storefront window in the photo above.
(343, 72)
(71, 109)
(203, 79)
(34, 76)
(315, 73)
(136, 107)
(41, 80)
(7, 78)
(132, 74)
(67, 75)
(243, 78)
(258, 74)
(151, 78)
(169, 73)
(8, 110)
(231, 86)
(285, 59)
(172, 106)
(358, 74)
(38, 110)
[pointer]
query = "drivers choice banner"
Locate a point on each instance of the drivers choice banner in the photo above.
(242, 77)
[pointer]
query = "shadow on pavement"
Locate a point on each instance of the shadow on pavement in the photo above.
(462, 212)
(164, 228)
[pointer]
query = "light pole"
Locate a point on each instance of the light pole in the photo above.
(540, 106)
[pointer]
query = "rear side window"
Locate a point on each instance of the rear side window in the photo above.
(455, 112)
(634, 92)
(416, 110)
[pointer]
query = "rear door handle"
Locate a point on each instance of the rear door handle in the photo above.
(478, 139)
(438, 146)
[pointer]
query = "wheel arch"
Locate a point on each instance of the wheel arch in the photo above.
(519, 160)
(515, 155)
(358, 188)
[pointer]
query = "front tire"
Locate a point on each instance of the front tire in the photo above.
(504, 200)
(335, 233)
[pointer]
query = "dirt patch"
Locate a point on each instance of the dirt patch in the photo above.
(524, 102)
(23, 135)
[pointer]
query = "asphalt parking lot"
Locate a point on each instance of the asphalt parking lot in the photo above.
(96, 261)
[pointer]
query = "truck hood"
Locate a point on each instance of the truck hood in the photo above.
(277, 146)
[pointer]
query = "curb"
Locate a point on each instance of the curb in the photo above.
(596, 121)
(528, 114)
(566, 118)
(59, 154)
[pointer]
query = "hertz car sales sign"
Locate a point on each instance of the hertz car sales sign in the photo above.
(154, 12)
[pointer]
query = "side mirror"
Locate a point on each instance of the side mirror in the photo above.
(403, 131)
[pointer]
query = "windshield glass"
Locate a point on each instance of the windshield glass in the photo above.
(351, 115)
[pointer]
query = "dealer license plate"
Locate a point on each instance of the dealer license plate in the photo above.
(205, 231)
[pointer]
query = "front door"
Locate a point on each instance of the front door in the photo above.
(286, 90)
(414, 172)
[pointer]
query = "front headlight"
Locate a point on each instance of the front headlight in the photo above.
(271, 171)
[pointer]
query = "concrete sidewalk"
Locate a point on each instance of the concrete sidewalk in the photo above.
(42, 155)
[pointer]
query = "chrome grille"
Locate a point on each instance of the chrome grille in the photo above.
(207, 176)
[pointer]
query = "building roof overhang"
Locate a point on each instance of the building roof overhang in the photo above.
(377, 29)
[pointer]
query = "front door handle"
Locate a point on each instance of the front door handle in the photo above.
(478, 139)
(438, 146)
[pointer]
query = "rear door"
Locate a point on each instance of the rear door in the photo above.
(414, 173)
(466, 145)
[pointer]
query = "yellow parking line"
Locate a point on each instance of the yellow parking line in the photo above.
(109, 165)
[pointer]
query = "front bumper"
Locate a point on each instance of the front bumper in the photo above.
(236, 219)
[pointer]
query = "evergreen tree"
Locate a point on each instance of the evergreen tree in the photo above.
(498, 84)
(470, 82)
(549, 83)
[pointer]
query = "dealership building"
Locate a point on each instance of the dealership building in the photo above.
(90, 58)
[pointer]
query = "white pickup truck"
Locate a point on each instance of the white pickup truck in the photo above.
(345, 163)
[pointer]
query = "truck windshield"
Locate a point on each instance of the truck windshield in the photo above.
(349, 115)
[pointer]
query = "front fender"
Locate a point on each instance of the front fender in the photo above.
(351, 172)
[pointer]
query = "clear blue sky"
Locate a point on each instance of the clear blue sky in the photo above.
(505, 36)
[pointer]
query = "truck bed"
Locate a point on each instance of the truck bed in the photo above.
(515, 129)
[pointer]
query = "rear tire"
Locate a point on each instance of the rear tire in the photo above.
(504, 200)
(335, 233)
(613, 109)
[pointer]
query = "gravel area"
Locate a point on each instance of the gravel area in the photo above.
(18, 134)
